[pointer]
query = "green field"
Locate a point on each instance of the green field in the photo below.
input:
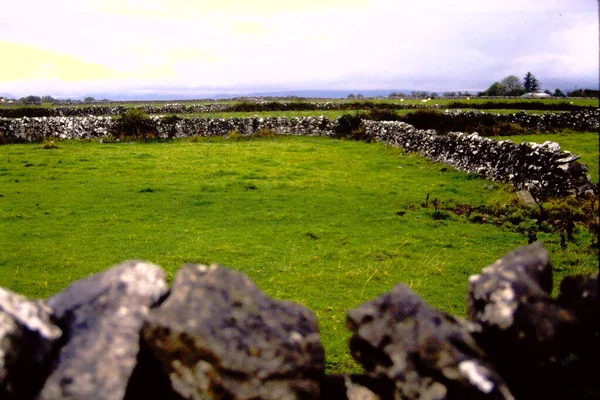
(473, 100)
(323, 222)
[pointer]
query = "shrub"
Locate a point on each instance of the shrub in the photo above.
(134, 124)
(49, 144)
(349, 126)
(378, 114)
(441, 215)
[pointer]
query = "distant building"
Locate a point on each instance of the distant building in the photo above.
(536, 96)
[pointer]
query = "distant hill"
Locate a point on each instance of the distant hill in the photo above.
(7, 95)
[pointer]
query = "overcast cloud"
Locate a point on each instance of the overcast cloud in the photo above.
(77, 47)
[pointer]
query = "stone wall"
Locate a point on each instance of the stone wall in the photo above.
(36, 129)
(123, 334)
(585, 120)
(262, 106)
(542, 168)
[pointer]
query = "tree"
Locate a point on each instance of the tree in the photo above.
(558, 93)
(584, 93)
(31, 100)
(497, 89)
(351, 96)
(396, 95)
(512, 86)
(89, 99)
(531, 83)
(47, 98)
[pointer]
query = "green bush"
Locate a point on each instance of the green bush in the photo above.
(441, 215)
(133, 124)
(378, 114)
(349, 126)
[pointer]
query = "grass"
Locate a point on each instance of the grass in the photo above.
(274, 114)
(473, 100)
(326, 223)
(332, 114)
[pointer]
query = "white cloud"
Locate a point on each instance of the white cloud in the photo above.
(429, 44)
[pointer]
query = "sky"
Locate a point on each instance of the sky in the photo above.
(200, 48)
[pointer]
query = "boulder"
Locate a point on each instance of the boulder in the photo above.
(426, 353)
(101, 318)
(28, 338)
(525, 332)
(356, 387)
(581, 295)
(219, 336)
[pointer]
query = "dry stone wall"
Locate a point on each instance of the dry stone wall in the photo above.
(544, 169)
(541, 168)
(582, 120)
(123, 334)
(38, 128)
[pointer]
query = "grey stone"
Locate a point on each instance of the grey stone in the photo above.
(581, 295)
(28, 338)
(219, 336)
(356, 387)
(524, 331)
(426, 353)
(101, 318)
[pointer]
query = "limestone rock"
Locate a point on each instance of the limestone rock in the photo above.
(101, 318)
(426, 353)
(219, 336)
(28, 338)
(356, 387)
(525, 332)
(581, 295)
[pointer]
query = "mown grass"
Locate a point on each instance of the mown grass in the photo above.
(326, 223)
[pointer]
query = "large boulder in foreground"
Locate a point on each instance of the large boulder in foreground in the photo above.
(219, 336)
(28, 338)
(526, 333)
(101, 318)
(426, 353)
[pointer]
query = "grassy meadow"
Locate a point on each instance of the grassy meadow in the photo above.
(323, 222)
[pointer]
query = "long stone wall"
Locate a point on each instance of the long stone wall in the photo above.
(123, 334)
(585, 120)
(36, 129)
(262, 106)
(541, 168)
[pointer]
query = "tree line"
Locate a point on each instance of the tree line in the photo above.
(512, 86)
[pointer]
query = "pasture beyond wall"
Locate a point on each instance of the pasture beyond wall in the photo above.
(541, 168)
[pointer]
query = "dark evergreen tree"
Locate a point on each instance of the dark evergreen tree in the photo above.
(531, 83)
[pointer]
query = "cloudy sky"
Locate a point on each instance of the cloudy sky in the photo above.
(202, 47)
